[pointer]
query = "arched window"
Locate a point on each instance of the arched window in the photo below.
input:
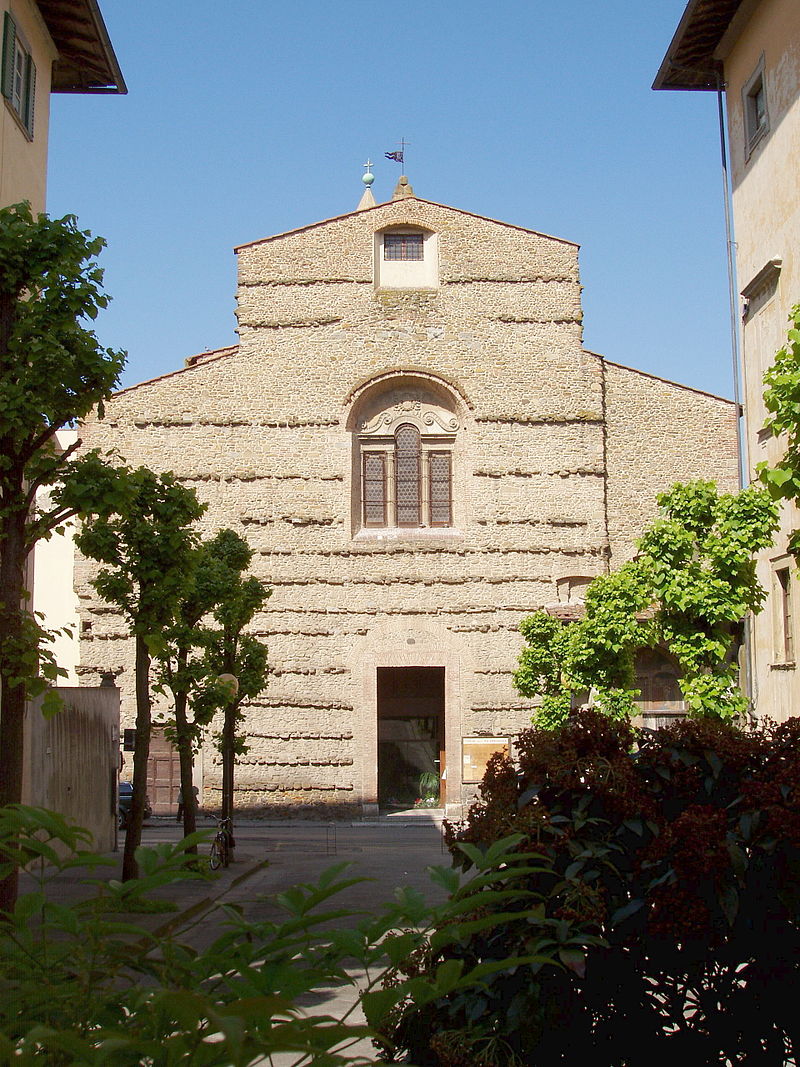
(405, 443)
(407, 464)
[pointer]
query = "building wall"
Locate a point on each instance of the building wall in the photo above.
(266, 436)
(660, 433)
(766, 209)
(72, 765)
(50, 582)
(23, 162)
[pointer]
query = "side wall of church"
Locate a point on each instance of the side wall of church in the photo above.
(266, 438)
(660, 433)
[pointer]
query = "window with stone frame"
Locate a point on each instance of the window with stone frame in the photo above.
(406, 257)
(756, 112)
(406, 464)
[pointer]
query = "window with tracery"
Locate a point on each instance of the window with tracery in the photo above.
(406, 463)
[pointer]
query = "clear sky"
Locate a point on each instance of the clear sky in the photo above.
(245, 119)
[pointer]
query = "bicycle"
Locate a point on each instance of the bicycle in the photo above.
(222, 844)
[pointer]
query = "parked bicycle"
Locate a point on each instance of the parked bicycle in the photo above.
(222, 845)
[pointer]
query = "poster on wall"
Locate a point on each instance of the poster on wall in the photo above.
(476, 754)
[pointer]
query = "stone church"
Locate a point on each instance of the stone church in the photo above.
(420, 451)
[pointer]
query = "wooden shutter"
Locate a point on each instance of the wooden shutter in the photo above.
(30, 96)
(373, 488)
(9, 55)
(407, 476)
(441, 489)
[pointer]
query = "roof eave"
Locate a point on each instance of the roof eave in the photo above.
(690, 62)
(86, 60)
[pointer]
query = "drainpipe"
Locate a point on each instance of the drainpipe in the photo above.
(742, 457)
(741, 441)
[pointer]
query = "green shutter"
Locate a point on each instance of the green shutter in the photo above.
(30, 96)
(9, 42)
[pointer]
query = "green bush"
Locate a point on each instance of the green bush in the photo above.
(81, 985)
(669, 887)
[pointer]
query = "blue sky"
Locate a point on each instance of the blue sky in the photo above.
(245, 119)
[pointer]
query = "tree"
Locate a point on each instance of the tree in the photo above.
(688, 590)
(52, 372)
(148, 548)
(185, 661)
(782, 400)
(239, 656)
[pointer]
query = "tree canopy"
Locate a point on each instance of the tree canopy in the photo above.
(688, 591)
(782, 400)
(147, 552)
(53, 371)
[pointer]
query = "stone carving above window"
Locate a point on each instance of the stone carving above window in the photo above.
(411, 407)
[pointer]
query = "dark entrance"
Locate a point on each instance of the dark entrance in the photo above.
(410, 736)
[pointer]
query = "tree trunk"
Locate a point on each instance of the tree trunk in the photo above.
(12, 684)
(133, 838)
(228, 738)
(185, 755)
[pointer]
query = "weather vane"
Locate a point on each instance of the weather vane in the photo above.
(398, 157)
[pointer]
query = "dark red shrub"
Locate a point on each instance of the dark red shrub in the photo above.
(681, 849)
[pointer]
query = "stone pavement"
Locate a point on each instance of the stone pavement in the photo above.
(391, 852)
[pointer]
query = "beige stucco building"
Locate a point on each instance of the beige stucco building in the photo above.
(58, 46)
(414, 441)
(751, 48)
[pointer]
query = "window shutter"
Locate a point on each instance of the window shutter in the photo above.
(441, 489)
(9, 52)
(407, 475)
(373, 488)
(30, 96)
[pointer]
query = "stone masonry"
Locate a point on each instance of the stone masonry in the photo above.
(556, 456)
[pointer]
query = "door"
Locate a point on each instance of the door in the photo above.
(410, 737)
(163, 774)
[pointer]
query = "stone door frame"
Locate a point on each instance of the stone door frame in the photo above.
(395, 645)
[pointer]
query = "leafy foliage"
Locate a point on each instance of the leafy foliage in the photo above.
(782, 400)
(194, 655)
(81, 986)
(52, 372)
(147, 551)
(688, 590)
(669, 885)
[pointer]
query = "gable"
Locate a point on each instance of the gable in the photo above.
(470, 248)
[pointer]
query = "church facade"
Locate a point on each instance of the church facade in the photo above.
(418, 448)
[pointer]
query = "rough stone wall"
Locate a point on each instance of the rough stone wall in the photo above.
(660, 433)
(264, 436)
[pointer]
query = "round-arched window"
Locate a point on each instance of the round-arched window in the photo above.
(404, 441)
(407, 475)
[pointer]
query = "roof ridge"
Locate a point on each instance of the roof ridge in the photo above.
(390, 203)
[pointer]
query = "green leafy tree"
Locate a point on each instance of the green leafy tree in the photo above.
(186, 660)
(782, 400)
(148, 550)
(231, 652)
(689, 590)
(52, 371)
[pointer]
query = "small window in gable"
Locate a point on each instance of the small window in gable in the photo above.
(18, 75)
(406, 258)
(404, 247)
